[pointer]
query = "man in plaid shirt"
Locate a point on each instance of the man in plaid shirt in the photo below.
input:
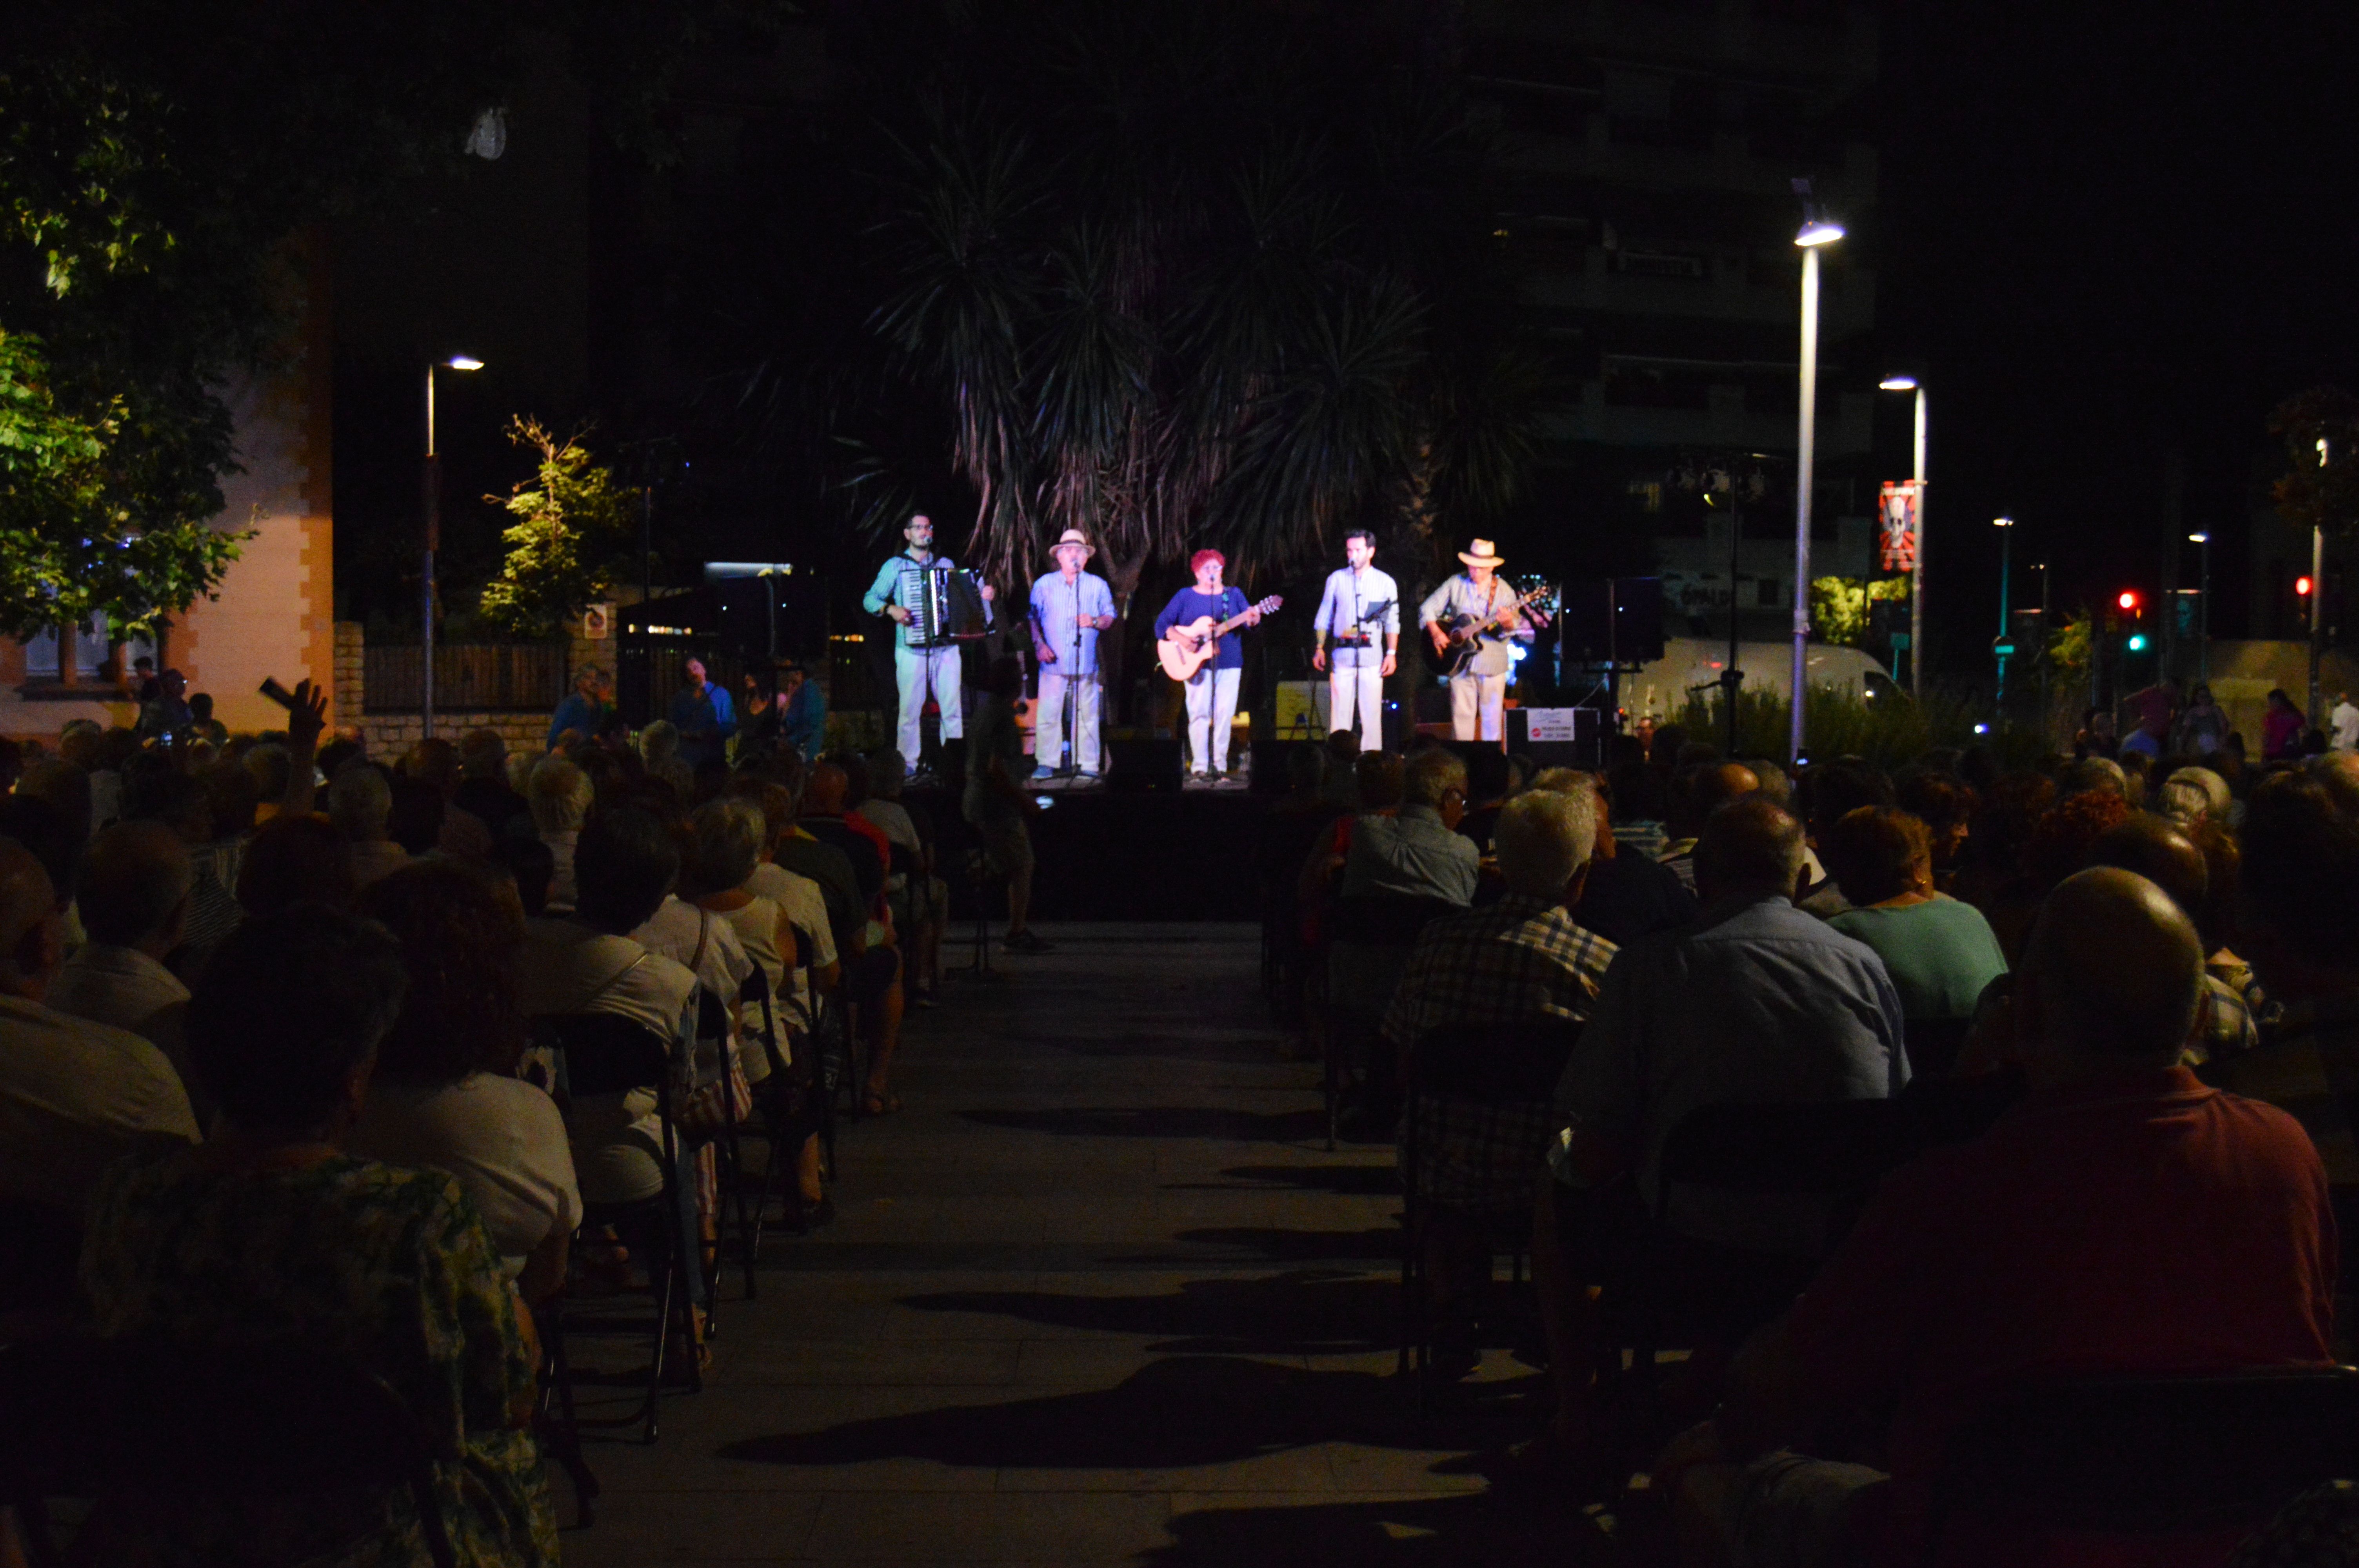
(1520, 961)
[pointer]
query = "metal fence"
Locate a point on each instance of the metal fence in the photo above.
(467, 676)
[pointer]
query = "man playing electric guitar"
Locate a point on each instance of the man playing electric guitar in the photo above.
(1478, 692)
(1213, 688)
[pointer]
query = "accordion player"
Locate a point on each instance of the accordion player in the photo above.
(943, 604)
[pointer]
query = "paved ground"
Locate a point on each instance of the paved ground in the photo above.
(1098, 1295)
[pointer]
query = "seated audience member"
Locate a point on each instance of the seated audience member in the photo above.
(1940, 953)
(1627, 894)
(1757, 1004)
(995, 801)
(483, 787)
(2161, 851)
(272, 1233)
(435, 763)
(360, 805)
(67, 788)
(445, 1093)
(419, 819)
(1418, 852)
(796, 852)
(1377, 785)
(135, 890)
(625, 863)
(74, 1094)
(2299, 919)
(1697, 792)
(2122, 1218)
(922, 903)
(1833, 791)
(294, 860)
(1522, 960)
(804, 901)
(530, 865)
(560, 797)
(726, 840)
(1490, 779)
(1945, 804)
(659, 752)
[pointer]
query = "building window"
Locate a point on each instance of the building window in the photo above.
(89, 651)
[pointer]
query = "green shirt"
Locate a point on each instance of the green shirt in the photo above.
(1939, 954)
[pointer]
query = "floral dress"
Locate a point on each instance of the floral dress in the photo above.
(394, 1266)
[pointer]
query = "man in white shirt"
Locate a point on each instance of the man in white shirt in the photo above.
(1070, 608)
(1478, 693)
(1361, 605)
(135, 890)
(2345, 720)
(74, 1094)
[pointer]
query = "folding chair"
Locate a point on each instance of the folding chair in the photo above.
(730, 1221)
(602, 1054)
(1367, 935)
(1501, 1070)
(120, 1421)
(2146, 1456)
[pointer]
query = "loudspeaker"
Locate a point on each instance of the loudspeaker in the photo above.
(1141, 764)
(1612, 618)
(1584, 749)
(1269, 762)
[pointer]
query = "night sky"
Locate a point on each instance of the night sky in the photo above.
(2111, 233)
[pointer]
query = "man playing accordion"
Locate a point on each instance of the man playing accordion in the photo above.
(923, 594)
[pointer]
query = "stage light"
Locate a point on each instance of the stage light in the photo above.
(1896, 384)
(465, 362)
(1818, 232)
(1982, 729)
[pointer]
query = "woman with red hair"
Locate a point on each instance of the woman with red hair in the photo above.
(1212, 690)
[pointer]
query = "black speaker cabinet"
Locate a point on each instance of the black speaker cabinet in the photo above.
(1136, 766)
(1613, 618)
(1269, 762)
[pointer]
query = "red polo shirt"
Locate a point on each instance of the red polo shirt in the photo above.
(2146, 1225)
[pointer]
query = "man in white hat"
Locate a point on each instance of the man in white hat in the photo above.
(1070, 608)
(1359, 611)
(1478, 694)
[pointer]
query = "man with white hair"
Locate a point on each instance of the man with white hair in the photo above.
(1519, 961)
(74, 1094)
(360, 802)
(1070, 608)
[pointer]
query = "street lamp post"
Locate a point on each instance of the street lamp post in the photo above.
(2005, 526)
(1817, 230)
(1917, 569)
(433, 540)
(2318, 594)
(2204, 605)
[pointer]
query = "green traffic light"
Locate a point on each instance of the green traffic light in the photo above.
(2137, 644)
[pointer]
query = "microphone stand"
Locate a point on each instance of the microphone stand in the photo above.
(1072, 688)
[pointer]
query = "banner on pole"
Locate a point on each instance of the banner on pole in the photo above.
(1895, 524)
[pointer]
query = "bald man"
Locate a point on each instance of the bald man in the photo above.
(2123, 1217)
(74, 1094)
(1696, 793)
(2161, 851)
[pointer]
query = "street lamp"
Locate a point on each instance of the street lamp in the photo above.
(1816, 231)
(1917, 569)
(2002, 647)
(2318, 587)
(2205, 600)
(433, 539)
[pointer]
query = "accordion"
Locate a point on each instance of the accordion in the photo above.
(943, 604)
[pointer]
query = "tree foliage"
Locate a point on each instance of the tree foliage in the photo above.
(572, 530)
(2316, 492)
(1176, 273)
(1840, 605)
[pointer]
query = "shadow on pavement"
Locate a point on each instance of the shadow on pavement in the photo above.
(1305, 1312)
(1278, 1245)
(1162, 1121)
(1476, 1531)
(1178, 1411)
(1344, 1181)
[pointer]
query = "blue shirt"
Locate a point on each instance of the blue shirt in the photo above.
(1188, 604)
(1757, 1004)
(705, 719)
(576, 712)
(1056, 606)
(803, 726)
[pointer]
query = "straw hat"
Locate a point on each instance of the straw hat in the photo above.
(1482, 555)
(1072, 537)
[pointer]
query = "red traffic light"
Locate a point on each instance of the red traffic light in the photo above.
(2301, 586)
(2129, 598)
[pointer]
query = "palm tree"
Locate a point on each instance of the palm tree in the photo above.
(1184, 272)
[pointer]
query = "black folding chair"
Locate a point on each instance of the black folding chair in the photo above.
(603, 1054)
(1467, 1070)
(1382, 927)
(139, 1423)
(2147, 1455)
(731, 1224)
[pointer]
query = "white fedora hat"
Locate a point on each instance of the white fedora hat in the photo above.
(1482, 555)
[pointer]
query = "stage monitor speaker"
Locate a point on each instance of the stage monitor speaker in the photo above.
(1566, 737)
(1138, 765)
(1613, 618)
(1269, 762)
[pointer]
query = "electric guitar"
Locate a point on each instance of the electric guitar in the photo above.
(1184, 650)
(1464, 633)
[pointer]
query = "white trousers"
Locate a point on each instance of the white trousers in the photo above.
(1048, 720)
(1478, 699)
(919, 670)
(1355, 694)
(1212, 708)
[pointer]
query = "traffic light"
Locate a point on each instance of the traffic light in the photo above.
(2301, 586)
(2138, 642)
(2129, 600)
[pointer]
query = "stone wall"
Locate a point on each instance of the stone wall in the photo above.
(387, 735)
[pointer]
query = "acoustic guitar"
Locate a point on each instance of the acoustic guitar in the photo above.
(1184, 650)
(1465, 632)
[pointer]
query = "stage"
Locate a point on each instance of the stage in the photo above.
(1102, 854)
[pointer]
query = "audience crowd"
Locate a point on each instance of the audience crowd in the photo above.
(282, 1056)
(2065, 1058)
